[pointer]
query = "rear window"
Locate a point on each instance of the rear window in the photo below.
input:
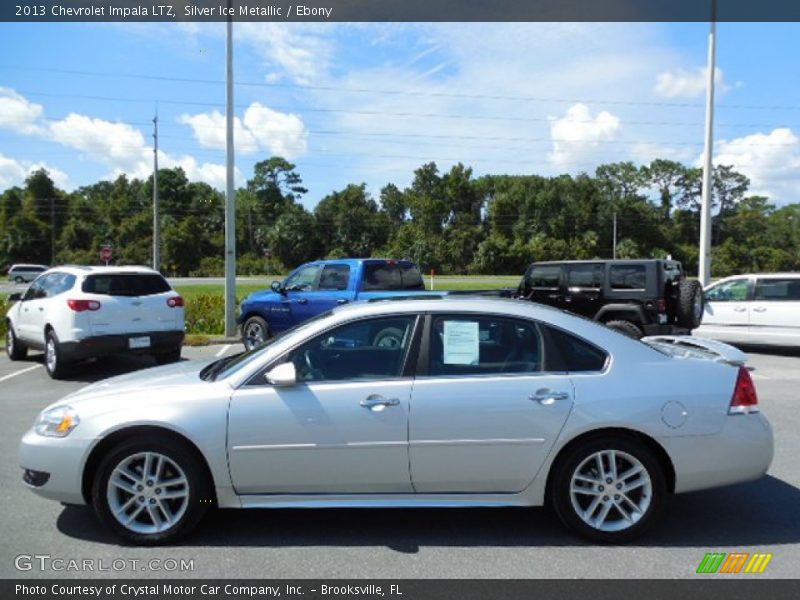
(126, 284)
(627, 277)
(778, 289)
(392, 276)
(579, 355)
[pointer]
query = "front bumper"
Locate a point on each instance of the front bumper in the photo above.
(61, 458)
(101, 345)
(741, 451)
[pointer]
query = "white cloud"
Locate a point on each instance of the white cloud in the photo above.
(17, 113)
(209, 130)
(684, 83)
(771, 161)
(14, 172)
(116, 144)
(578, 133)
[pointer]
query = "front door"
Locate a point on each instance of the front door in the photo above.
(486, 414)
(342, 429)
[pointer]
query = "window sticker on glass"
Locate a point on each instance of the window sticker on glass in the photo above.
(461, 343)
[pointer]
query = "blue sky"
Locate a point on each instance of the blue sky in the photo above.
(352, 103)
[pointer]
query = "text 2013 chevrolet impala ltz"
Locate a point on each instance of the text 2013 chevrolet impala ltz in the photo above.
(409, 403)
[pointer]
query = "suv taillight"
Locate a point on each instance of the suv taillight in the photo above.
(82, 305)
(745, 399)
(175, 302)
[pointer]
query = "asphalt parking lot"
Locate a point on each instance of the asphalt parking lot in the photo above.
(760, 516)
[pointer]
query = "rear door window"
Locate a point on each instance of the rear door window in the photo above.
(58, 283)
(585, 276)
(778, 290)
(334, 277)
(126, 284)
(577, 354)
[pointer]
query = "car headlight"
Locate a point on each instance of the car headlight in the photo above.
(56, 422)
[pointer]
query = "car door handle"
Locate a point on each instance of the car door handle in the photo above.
(41, 308)
(377, 403)
(547, 397)
(760, 309)
(302, 300)
(739, 309)
(341, 301)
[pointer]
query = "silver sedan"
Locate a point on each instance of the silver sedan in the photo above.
(412, 403)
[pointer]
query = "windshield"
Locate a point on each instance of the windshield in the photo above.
(225, 367)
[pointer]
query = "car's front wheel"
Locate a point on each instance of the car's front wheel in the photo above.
(15, 349)
(608, 489)
(255, 332)
(151, 492)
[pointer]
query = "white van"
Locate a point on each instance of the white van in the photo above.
(25, 273)
(758, 309)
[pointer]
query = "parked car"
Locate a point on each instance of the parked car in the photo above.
(484, 402)
(25, 273)
(759, 309)
(635, 297)
(318, 286)
(73, 313)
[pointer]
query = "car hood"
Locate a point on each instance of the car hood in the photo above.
(143, 382)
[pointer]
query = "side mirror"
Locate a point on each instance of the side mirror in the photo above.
(17, 297)
(278, 288)
(283, 375)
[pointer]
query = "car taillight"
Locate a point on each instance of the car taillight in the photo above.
(745, 399)
(82, 305)
(175, 302)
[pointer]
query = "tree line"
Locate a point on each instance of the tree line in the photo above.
(449, 221)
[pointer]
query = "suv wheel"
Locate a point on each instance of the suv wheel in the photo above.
(255, 332)
(53, 360)
(151, 492)
(691, 303)
(626, 327)
(15, 349)
(608, 489)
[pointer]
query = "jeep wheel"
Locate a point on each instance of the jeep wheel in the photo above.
(691, 303)
(626, 328)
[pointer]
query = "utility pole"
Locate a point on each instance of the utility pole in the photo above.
(52, 230)
(156, 220)
(614, 238)
(704, 273)
(230, 210)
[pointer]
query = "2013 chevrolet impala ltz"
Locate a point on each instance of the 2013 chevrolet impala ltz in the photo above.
(408, 403)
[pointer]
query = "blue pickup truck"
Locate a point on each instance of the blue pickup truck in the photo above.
(319, 286)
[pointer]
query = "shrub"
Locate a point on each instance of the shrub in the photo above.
(205, 313)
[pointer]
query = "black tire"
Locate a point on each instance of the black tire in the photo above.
(54, 366)
(580, 455)
(690, 303)
(165, 358)
(15, 349)
(626, 327)
(250, 338)
(199, 498)
(390, 337)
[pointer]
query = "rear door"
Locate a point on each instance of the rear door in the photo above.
(131, 303)
(775, 311)
(485, 411)
(726, 315)
(584, 284)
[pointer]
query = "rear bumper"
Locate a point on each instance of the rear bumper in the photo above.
(160, 341)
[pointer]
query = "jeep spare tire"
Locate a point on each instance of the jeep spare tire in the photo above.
(691, 303)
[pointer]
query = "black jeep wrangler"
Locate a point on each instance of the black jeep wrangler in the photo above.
(635, 297)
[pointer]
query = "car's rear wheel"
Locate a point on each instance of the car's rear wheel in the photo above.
(18, 279)
(255, 332)
(691, 303)
(626, 327)
(609, 489)
(15, 349)
(151, 492)
(53, 356)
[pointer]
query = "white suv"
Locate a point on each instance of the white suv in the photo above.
(760, 309)
(74, 313)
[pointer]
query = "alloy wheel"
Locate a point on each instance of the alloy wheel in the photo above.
(611, 490)
(254, 335)
(50, 356)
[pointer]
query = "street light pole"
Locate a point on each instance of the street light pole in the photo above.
(230, 210)
(704, 273)
(156, 218)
